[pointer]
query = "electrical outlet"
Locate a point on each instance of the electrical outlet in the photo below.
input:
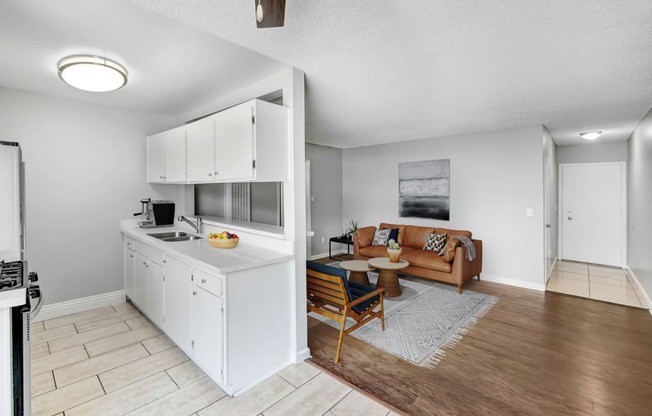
(323, 240)
(530, 212)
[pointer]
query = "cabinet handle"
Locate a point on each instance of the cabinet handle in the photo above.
(194, 292)
(162, 177)
(203, 280)
(217, 173)
(210, 174)
(131, 256)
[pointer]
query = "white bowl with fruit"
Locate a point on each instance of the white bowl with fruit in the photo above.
(223, 240)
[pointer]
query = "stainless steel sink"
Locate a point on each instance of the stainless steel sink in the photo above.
(183, 238)
(168, 234)
(175, 236)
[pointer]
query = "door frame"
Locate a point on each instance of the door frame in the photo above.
(623, 207)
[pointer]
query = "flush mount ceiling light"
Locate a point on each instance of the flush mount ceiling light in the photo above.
(590, 135)
(92, 73)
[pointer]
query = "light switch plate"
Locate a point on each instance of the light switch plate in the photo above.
(530, 212)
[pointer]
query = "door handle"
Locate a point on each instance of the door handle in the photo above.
(548, 226)
(570, 218)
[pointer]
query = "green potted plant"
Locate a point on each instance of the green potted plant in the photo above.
(351, 228)
(394, 251)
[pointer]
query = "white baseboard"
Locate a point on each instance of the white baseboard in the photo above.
(302, 355)
(641, 289)
(333, 253)
(513, 282)
(68, 307)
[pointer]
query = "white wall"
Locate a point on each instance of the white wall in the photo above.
(326, 187)
(593, 152)
(85, 171)
(551, 195)
(495, 177)
(639, 193)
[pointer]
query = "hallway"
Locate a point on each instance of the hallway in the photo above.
(607, 284)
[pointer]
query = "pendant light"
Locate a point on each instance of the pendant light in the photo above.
(92, 73)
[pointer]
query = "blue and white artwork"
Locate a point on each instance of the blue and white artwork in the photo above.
(424, 189)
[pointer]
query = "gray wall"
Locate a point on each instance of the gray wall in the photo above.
(495, 177)
(551, 186)
(639, 193)
(85, 171)
(593, 152)
(326, 187)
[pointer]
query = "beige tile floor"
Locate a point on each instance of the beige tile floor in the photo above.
(112, 361)
(608, 284)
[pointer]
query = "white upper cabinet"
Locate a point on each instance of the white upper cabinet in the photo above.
(166, 156)
(234, 143)
(248, 142)
(201, 149)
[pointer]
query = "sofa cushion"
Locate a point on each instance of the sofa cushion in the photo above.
(381, 237)
(415, 236)
(428, 260)
(393, 234)
(380, 251)
(453, 233)
(401, 230)
(365, 236)
(435, 242)
(353, 290)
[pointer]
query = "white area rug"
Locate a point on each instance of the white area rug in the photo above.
(427, 318)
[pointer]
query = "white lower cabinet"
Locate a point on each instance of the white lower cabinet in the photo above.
(208, 336)
(236, 326)
(156, 294)
(178, 303)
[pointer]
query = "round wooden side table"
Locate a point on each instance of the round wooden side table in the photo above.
(388, 275)
(358, 269)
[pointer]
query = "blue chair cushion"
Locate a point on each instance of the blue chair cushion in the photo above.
(353, 290)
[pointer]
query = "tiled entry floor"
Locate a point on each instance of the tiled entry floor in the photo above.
(607, 284)
(113, 361)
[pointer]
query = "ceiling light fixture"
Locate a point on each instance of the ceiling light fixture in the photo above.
(92, 73)
(590, 135)
(259, 13)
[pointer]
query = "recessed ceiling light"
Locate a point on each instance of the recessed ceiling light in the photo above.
(92, 73)
(590, 135)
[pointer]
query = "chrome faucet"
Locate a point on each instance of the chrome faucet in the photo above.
(198, 227)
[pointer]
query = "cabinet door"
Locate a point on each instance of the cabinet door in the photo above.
(156, 158)
(234, 143)
(130, 271)
(207, 333)
(175, 155)
(201, 150)
(178, 303)
(140, 282)
(156, 294)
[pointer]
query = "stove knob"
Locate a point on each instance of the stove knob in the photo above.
(34, 292)
(33, 277)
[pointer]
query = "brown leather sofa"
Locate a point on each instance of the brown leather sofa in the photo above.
(451, 267)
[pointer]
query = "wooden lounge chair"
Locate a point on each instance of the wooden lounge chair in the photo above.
(330, 294)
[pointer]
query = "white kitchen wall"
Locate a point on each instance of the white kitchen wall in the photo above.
(639, 194)
(593, 152)
(326, 187)
(85, 171)
(495, 177)
(551, 196)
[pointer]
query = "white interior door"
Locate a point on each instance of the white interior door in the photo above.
(592, 217)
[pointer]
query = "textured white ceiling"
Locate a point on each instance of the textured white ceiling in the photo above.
(172, 66)
(386, 71)
(376, 71)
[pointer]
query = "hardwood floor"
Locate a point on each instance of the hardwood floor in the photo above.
(533, 354)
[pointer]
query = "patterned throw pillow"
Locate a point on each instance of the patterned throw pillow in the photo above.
(435, 242)
(381, 238)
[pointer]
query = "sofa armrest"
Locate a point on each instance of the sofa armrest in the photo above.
(464, 269)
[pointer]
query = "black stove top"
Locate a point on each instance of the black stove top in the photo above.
(11, 275)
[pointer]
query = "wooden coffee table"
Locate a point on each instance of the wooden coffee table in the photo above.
(388, 276)
(358, 269)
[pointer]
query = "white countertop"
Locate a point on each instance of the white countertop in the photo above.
(244, 256)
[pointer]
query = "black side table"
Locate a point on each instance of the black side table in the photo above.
(341, 239)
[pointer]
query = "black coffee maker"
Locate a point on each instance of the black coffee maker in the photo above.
(157, 213)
